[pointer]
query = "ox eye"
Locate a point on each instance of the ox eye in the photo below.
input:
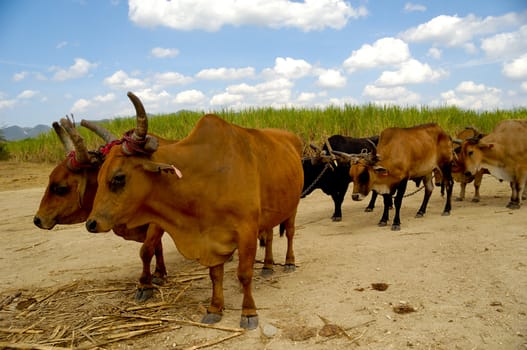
(117, 182)
(470, 153)
(59, 190)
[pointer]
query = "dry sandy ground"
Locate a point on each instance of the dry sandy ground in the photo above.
(465, 277)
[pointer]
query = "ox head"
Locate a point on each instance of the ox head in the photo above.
(472, 152)
(68, 198)
(458, 166)
(127, 176)
(364, 168)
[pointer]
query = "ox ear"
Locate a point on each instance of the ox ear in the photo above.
(161, 167)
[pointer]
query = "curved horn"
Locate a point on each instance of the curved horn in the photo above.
(102, 132)
(64, 138)
(81, 154)
(142, 122)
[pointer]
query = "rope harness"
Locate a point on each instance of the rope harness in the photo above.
(310, 187)
(414, 192)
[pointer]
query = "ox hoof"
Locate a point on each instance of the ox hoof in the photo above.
(144, 293)
(266, 272)
(289, 267)
(475, 200)
(382, 223)
(368, 210)
(336, 218)
(419, 214)
(396, 227)
(249, 322)
(446, 213)
(513, 205)
(158, 280)
(211, 318)
(459, 199)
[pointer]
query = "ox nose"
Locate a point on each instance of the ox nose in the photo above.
(91, 225)
(37, 221)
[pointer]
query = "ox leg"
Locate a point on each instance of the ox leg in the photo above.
(387, 198)
(429, 187)
(371, 205)
(267, 269)
(151, 245)
(515, 196)
(477, 184)
(401, 188)
(463, 186)
(338, 198)
(215, 310)
(449, 185)
(246, 255)
(289, 226)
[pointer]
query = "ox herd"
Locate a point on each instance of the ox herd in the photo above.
(223, 187)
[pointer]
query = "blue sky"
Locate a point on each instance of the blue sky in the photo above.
(80, 56)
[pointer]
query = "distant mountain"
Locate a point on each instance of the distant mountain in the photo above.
(14, 133)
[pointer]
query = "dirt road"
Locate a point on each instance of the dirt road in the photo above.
(457, 282)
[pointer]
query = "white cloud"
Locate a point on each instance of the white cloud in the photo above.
(226, 99)
(80, 106)
(171, 78)
(524, 86)
(331, 78)
(410, 7)
(454, 31)
(384, 52)
(469, 87)
(516, 69)
(225, 73)
(79, 69)
(4, 104)
(211, 15)
(390, 95)
(189, 97)
(27, 94)
(305, 97)
(272, 93)
(19, 76)
(292, 68)
(121, 80)
(411, 72)
(473, 96)
(105, 98)
(62, 44)
(509, 44)
(434, 52)
(160, 52)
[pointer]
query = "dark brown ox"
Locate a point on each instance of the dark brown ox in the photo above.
(503, 153)
(458, 166)
(69, 196)
(213, 192)
(404, 154)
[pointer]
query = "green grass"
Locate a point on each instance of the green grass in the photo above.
(313, 125)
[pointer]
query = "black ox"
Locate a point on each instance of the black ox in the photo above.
(332, 177)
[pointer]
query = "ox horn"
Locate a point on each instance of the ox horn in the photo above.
(142, 121)
(81, 154)
(64, 138)
(102, 132)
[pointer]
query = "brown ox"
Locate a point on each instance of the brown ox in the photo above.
(503, 153)
(458, 166)
(69, 196)
(404, 154)
(225, 185)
